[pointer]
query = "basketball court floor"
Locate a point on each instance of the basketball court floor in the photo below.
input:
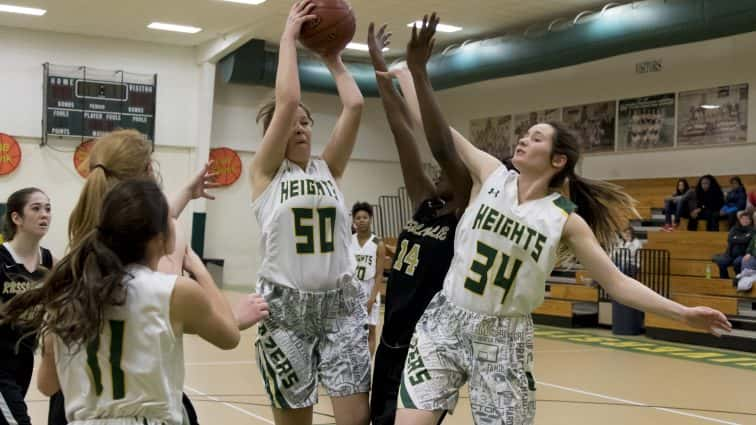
(584, 377)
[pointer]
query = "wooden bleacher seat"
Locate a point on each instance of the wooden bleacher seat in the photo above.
(650, 193)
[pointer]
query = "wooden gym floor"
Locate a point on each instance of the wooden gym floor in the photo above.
(578, 382)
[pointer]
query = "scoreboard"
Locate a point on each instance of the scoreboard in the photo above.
(86, 106)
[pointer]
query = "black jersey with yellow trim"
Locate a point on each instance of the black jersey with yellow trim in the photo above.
(424, 252)
(16, 279)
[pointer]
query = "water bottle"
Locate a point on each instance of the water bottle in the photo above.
(708, 271)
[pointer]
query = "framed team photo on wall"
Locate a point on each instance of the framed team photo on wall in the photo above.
(493, 135)
(594, 125)
(646, 123)
(713, 116)
(522, 122)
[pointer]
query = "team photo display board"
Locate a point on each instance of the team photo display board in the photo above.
(82, 102)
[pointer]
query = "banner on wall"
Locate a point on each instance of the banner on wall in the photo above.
(10, 154)
(646, 122)
(593, 124)
(713, 116)
(523, 122)
(493, 135)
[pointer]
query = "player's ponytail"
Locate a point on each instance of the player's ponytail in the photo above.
(604, 206)
(122, 154)
(72, 301)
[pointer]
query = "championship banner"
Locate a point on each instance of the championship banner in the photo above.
(713, 116)
(493, 135)
(646, 122)
(593, 124)
(10, 154)
(226, 164)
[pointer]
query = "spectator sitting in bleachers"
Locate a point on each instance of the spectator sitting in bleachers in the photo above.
(752, 199)
(747, 276)
(626, 261)
(673, 204)
(738, 242)
(735, 201)
(703, 203)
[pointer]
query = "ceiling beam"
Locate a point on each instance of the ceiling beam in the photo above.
(214, 50)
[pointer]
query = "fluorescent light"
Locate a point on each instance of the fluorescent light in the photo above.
(362, 47)
(246, 1)
(439, 27)
(710, 106)
(22, 10)
(173, 27)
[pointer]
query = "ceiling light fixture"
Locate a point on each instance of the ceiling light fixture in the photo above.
(710, 106)
(173, 27)
(439, 27)
(22, 10)
(246, 1)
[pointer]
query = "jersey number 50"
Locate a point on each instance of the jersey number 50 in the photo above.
(501, 280)
(304, 229)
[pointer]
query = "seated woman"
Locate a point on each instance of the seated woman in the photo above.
(672, 205)
(737, 246)
(703, 203)
(735, 201)
(627, 263)
(747, 276)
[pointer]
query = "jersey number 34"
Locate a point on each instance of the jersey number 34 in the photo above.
(501, 279)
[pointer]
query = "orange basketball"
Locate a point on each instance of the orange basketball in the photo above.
(332, 30)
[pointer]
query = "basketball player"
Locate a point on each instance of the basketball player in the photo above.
(425, 245)
(316, 331)
(113, 325)
(125, 154)
(479, 329)
(23, 263)
(369, 252)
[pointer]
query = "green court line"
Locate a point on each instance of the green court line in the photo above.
(674, 351)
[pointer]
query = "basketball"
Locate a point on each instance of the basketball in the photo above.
(332, 30)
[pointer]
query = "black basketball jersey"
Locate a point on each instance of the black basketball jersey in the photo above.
(423, 254)
(16, 279)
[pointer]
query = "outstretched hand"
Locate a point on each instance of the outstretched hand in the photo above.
(376, 43)
(420, 47)
(202, 181)
(708, 319)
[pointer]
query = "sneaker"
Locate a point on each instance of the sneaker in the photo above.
(668, 228)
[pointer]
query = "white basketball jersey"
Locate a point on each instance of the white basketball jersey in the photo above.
(135, 368)
(366, 256)
(305, 229)
(504, 251)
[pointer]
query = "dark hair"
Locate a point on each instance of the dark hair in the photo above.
(737, 179)
(714, 185)
(16, 204)
(265, 114)
(72, 301)
(686, 187)
(362, 206)
(604, 206)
